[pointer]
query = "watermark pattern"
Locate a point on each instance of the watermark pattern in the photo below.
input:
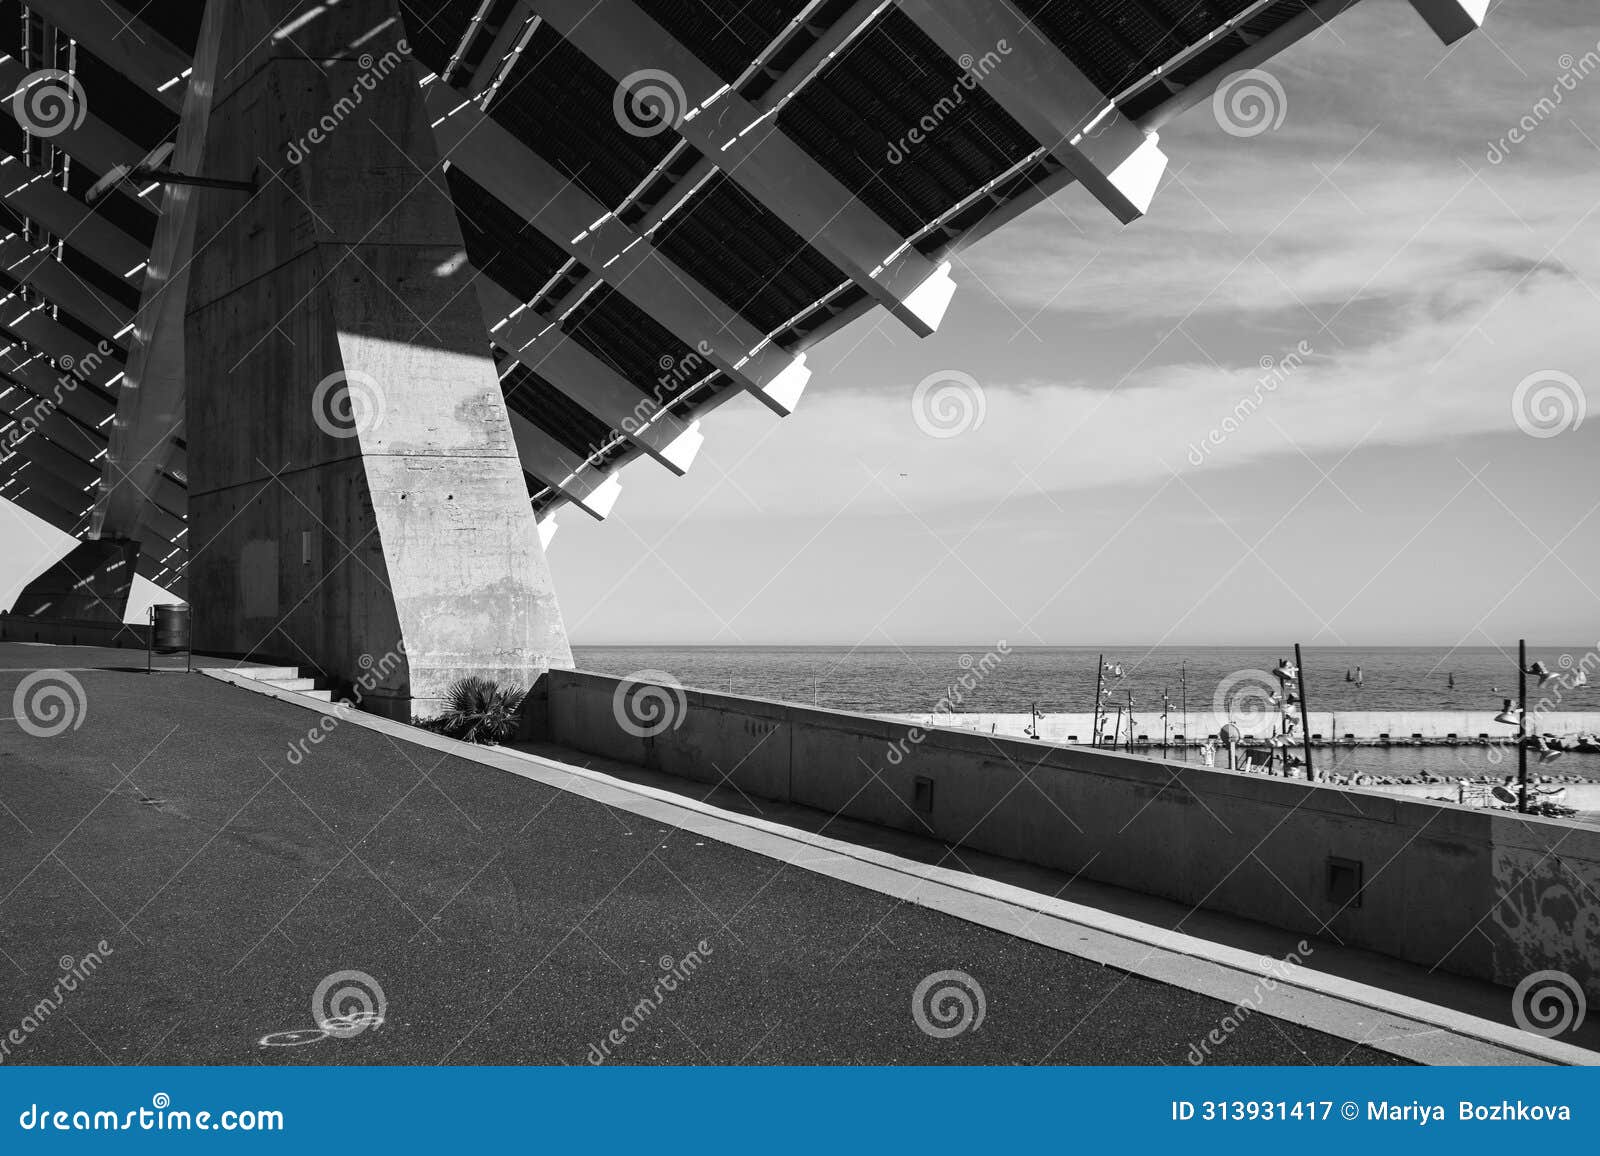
(649, 102)
(648, 703)
(973, 71)
(347, 1003)
(1573, 70)
(947, 1004)
(48, 703)
(674, 973)
(74, 371)
(1548, 403)
(1248, 699)
(348, 403)
(1549, 1003)
(973, 672)
(1275, 371)
(1278, 970)
(49, 102)
(159, 1117)
(373, 70)
(373, 673)
(676, 372)
(1249, 103)
(948, 404)
(73, 973)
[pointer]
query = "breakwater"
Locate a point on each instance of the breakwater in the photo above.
(1327, 728)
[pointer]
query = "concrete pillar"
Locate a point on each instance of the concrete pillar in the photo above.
(150, 402)
(354, 485)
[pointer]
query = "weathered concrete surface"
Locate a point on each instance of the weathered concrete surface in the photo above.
(1399, 725)
(327, 539)
(1485, 894)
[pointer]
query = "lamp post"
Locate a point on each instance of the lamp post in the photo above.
(1099, 678)
(1305, 713)
(1522, 725)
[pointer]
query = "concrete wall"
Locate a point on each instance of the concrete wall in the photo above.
(1398, 725)
(73, 632)
(1478, 893)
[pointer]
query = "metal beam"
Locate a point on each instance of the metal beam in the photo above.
(32, 371)
(33, 195)
(35, 264)
(124, 42)
(553, 463)
(92, 141)
(1452, 19)
(566, 214)
(30, 322)
(750, 148)
(559, 359)
(1047, 95)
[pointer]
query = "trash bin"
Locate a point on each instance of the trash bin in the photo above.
(168, 634)
(170, 628)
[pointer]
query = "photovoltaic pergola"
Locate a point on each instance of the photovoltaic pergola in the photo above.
(411, 277)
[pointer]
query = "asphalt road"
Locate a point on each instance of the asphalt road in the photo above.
(506, 922)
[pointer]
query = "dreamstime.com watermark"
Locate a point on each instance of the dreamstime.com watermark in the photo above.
(973, 72)
(1249, 699)
(649, 102)
(674, 974)
(1278, 970)
(677, 372)
(373, 71)
(74, 371)
(1548, 403)
(1572, 674)
(1549, 1003)
(48, 703)
(648, 703)
(1574, 69)
(947, 1004)
(973, 672)
(373, 672)
(348, 403)
(73, 973)
(1249, 103)
(161, 1116)
(49, 102)
(345, 1004)
(1274, 372)
(948, 403)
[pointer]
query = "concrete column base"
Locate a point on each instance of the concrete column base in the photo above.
(356, 501)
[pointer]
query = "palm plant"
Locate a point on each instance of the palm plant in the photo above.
(479, 710)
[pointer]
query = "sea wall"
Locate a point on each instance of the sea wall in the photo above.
(1326, 726)
(1479, 893)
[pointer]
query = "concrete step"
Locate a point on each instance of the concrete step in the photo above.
(299, 684)
(267, 672)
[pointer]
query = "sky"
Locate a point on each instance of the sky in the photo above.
(1382, 241)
